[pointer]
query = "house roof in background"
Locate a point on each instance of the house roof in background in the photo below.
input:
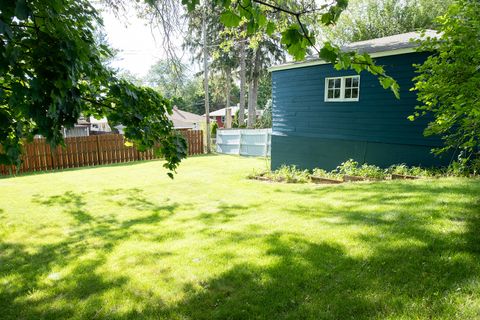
(395, 42)
(221, 112)
(101, 120)
(380, 47)
(235, 109)
(185, 116)
(179, 124)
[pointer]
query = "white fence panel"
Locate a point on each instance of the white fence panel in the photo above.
(245, 142)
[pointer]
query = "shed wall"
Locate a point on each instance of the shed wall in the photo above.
(309, 132)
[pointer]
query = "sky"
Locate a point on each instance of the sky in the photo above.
(139, 45)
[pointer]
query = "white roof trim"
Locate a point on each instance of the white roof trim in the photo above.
(294, 65)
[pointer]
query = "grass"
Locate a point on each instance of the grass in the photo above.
(125, 242)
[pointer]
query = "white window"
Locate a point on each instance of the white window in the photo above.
(342, 88)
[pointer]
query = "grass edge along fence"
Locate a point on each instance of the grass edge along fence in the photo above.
(89, 151)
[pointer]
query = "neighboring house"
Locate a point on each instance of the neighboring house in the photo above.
(87, 126)
(99, 125)
(186, 120)
(322, 116)
(219, 115)
(78, 130)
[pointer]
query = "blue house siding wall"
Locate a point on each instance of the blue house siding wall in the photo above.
(309, 132)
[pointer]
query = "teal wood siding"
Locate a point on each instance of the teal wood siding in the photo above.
(309, 132)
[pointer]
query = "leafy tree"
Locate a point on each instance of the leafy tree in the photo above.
(167, 77)
(51, 71)
(294, 21)
(193, 96)
(218, 82)
(369, 19)
(449, 80)
(221, 45)
(265, 121)
(130, 77)
(264, 90)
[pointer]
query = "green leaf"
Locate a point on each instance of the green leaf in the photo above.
(191, 4)
(5, 29)
(389, 82)
(295, 42)
(386, 82)
(270, 28)
(21, 10)
(251, 27)
(328, 53)
(230, 19)
(327, 18)
(261, 20)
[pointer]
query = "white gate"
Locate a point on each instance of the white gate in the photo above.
(245, 142)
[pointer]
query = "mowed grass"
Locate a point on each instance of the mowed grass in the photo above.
(126, 242)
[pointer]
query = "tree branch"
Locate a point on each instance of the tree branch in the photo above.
(305, 33)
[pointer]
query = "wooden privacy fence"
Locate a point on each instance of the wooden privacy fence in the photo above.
(89, 151)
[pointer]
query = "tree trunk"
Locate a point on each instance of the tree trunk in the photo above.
(250, 104)
(205, 68)
(253, 90)
(241, 112)
(228, 119)
(254, 100)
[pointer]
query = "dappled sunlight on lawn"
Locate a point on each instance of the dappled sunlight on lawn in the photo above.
(138, 245)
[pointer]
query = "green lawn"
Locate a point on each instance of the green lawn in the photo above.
(126, 242)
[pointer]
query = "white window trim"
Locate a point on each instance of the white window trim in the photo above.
(342, 90)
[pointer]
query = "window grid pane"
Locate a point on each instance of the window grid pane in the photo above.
(343, 88)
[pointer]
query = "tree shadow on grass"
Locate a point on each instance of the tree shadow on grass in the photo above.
(33, 289)
(72, 203)
(322, 281)
(224, 213)
(412, 267)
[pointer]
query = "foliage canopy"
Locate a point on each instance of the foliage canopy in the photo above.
(449, 80)
(294, 21)
(52, 71)
(370, 19)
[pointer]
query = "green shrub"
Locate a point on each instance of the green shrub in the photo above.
(402, 169)
(370, 171)
(289, 174)
(405, 170)
(349, 167)
(326, 174)
(292, 174)
(214, 129)
(423, 172)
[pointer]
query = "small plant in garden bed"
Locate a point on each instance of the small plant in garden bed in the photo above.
(321, 175)
(367, 171)
(402, 171)
(289, 174)
(350, 170)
